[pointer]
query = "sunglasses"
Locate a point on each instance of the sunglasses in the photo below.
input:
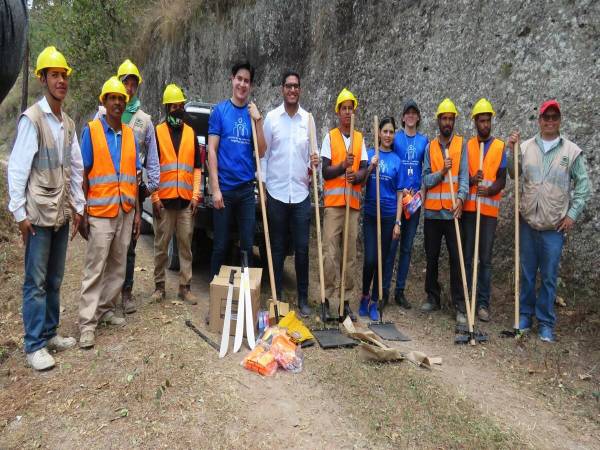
(551, 117)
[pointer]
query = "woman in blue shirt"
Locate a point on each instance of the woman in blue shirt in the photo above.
(410, 146)
(390, 193)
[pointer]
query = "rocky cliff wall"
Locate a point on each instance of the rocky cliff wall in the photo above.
(515, 53)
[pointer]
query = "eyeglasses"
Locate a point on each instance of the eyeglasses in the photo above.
(551, 117)
(291, 86)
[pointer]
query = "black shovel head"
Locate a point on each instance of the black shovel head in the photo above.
(465, 338)
(388, 331)
(332, 338)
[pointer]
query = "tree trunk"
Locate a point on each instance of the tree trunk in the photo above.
(25, 85)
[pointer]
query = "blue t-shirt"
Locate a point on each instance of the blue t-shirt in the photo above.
(114, 147)
(486, 147)
(411, 150)
(389, 184)
(235, 153)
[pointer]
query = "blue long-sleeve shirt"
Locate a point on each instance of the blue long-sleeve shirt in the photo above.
(431, 179)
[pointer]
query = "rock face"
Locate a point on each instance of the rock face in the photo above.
(516, 54)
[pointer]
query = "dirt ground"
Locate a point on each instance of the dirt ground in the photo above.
(155, 384)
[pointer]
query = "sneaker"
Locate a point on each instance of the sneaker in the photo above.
(159, 294)
(304, 309)
(373, 312)
(87, 339)
(40, 359)
(429, 306)
(402, 301)
(186, 296)
(461, 318)
(483, 314)
(348, 312)
(60, 343)
(363, 309)
(128, 303)
(111, 319)
(547, 335)
(524, 324)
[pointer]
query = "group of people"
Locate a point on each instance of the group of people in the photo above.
(99, 188)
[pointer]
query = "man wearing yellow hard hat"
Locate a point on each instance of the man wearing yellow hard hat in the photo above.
(44, 179)
(447, 155)
(111, 165)
(485, 183)
(145, 139)
(175, 202)
(341, 169)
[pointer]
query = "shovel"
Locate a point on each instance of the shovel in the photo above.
(386, 330)
(276, 304)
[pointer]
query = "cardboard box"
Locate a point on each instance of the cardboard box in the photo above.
(218, 298)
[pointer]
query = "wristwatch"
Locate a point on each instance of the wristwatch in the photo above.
(397, 222)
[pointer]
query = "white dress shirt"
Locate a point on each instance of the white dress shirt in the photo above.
(286, 162)
(326, 147)
(21, 158)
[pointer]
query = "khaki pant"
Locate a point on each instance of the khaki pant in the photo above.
(333, 246)
(104, 270)
(180, 222)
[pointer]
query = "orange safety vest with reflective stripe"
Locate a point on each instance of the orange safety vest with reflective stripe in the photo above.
(108, 191)
(334, 190)
(176, 169)
(491, 162)
(439, 197)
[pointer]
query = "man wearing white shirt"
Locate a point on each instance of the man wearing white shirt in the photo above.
(286, 167)
(45, 171)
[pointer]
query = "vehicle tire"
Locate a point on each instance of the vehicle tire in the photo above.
(146, 227)
(173, 254)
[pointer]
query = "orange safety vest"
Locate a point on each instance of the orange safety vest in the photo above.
(176, 169)
(491, 162)
(334, 190)
(439, 197)
(107, 190)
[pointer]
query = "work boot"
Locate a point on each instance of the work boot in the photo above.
(430, 305)
(374, 311)
(483, 314)
(186, 295)
(159, 293)
(348, 312)
(128, 303)
(40, 359)
(111, 319)
(363, 309)
(59, 343)
(304, 309)
(461, 318)
(402, 301)
(87, 339)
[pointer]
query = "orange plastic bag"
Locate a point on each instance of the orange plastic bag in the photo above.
(261, 360)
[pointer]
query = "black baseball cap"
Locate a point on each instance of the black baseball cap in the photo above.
(410, 103)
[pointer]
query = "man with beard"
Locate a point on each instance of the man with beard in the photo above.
(286, 168)
(44, 180)
(111, 165)
(232, 166)
(174, 204)
(487, 184)
(439, 212)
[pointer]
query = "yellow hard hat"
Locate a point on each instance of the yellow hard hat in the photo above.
(128, 68)
(50, 57)
(446, 106)
(113, 86)
(483, 106)
(173, 94)
(343, 96)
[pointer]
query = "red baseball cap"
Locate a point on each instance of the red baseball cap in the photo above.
(549, 104)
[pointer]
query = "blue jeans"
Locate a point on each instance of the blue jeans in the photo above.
(240, 204)
(487, 231)
(370, 258)
(45, 255)
(283, 218)
(408, 230)
(540, 250)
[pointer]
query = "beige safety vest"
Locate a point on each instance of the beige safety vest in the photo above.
(48, 193)
(545, 194)
(140, 121)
